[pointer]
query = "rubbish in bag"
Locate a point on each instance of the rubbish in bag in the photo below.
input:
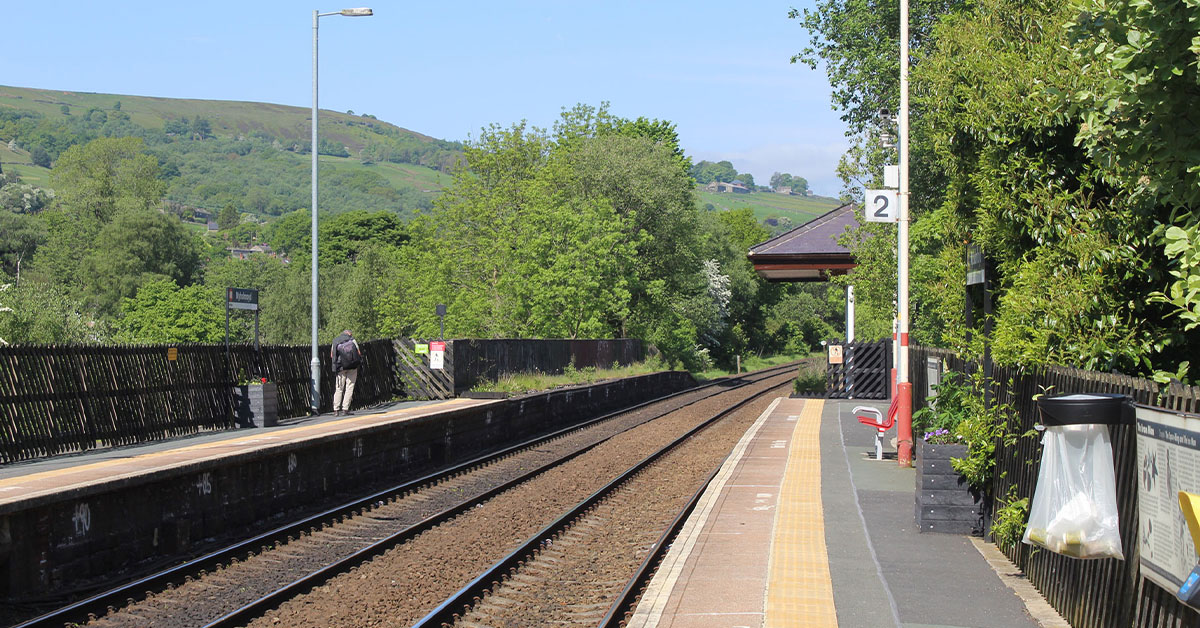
(1074, 510)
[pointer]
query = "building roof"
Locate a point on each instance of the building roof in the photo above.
(809, 252)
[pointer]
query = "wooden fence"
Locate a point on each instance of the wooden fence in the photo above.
(60, 399)
(1104, 593)
(864, 373)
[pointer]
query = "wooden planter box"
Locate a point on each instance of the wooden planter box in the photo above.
(945, 502)
(256, 405)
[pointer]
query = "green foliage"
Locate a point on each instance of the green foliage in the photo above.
(42, 312)
(99, 178)
(1009, 525)
(137, 247)
(162, 312)
(707, 172)
(1138, 113)
(1184, 293)
(947, 407)
(20, 235)
(980, 429)
(228, 218)
(1047, 146)
(810, 380)
(799, 185)
(39, 156)
(855, 41)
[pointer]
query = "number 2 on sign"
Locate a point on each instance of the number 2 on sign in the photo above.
(882, 205)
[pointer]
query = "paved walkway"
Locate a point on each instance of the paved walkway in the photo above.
(801, 528)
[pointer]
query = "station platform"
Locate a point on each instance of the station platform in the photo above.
(24, 483)
(803, 527)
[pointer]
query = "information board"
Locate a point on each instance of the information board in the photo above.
(1168, 459)
(437, 355)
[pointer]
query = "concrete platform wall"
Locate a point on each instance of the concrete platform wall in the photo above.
(130, 524)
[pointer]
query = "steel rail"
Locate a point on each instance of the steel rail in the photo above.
(448, 611)
(624, 602)
(79, 611)
(306, 583)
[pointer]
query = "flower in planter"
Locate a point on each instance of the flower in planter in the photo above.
(941, 437)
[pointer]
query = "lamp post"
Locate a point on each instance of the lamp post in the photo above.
(315, 364)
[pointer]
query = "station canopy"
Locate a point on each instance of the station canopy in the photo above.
(809, 252)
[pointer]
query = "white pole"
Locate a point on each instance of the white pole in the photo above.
(315, 364)
(849, 313)
(903, 386)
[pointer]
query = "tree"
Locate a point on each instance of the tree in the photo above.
(855, 42)
(162, 312)
(105, 175)
(707, 172)
(228, 218)
(92, 183)
(798, 185)
(200, 128)
(137, 247)
(44, 313)
(20, 236)
(1139, 116)
(39, 156)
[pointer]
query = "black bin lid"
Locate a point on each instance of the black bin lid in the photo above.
(1081, 409)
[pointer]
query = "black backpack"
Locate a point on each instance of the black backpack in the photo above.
(348, 357)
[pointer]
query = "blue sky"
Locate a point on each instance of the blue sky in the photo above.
(719, 71)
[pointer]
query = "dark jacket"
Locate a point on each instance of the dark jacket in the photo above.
(333, 352)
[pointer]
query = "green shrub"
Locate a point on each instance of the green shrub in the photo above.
(809, 381)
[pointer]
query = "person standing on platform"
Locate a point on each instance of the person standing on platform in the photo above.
(346, 357)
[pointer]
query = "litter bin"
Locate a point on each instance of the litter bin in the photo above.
(1074, 510)
(1085, 409)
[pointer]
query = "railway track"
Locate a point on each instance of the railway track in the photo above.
(241, 581)
(587, 567)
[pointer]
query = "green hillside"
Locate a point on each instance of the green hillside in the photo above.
(777, 211)
(255, 156)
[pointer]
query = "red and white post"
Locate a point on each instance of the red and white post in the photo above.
(903, 384)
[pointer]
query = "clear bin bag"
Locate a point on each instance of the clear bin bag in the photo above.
(1074, 509)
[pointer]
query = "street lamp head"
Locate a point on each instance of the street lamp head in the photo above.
(359, 12)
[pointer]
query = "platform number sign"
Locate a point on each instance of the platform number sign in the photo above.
(882, 206)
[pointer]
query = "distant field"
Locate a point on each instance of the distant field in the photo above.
(20, 164)
(420, 177)
(798, 209)
(226, 116)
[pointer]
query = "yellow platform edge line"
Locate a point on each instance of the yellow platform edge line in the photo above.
(799, 588)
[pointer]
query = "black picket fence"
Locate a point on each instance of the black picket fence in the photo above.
(865, 371)
(63, 399)
(1104, 593)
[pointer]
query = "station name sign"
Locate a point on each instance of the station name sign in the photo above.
(241, 298)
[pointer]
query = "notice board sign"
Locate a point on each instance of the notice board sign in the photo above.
(437, 355)
(1168, 461)
(835, 354)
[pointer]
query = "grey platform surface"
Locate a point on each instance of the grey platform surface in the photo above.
(885, 572)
